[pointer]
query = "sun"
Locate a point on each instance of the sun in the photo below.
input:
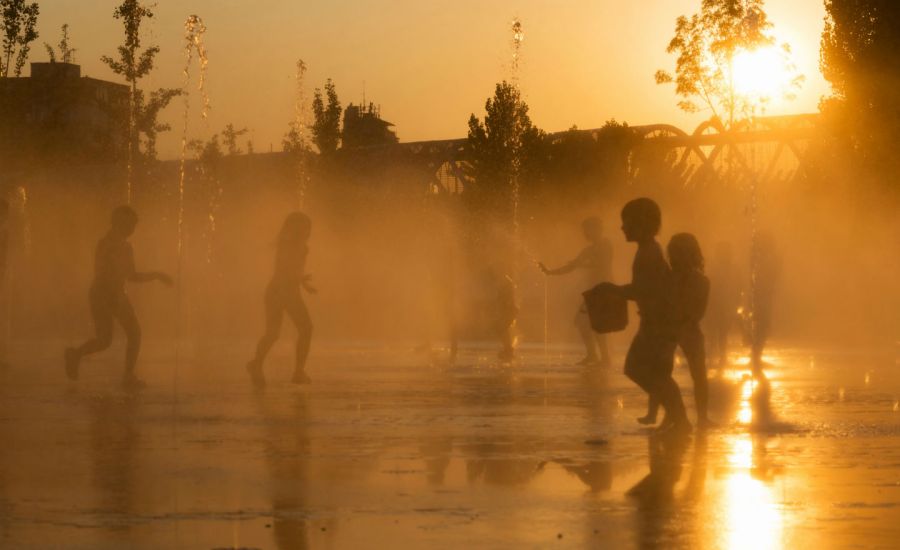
(762, 74)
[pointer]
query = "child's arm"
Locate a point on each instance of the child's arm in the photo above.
(579, 261)
(135, 276)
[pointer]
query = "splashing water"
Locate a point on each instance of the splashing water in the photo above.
(194, 30)
(518, 36)
(300, 128)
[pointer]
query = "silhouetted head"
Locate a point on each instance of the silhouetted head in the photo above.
(296, 228)
(123, 220)
(684, 253)
(592, 228)
(641, 219)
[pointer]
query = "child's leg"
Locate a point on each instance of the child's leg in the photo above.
(603, 346)
(692, 345)
(652, 411)
(124, 313)
(102, 314)
(274, 308)
(507, 338)
(662, 353)
(583, 323)
(299, 314)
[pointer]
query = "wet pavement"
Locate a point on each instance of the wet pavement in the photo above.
(385, 450)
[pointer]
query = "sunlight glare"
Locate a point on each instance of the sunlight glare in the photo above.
(753, 516)
(761, 74)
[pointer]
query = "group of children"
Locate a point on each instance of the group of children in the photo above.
(109, 302)
(671, 297)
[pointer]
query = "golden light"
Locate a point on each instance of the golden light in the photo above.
(761, 74)
(753, 514)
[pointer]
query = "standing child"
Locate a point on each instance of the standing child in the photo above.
(113, 267)
(283, 296)
(595, 260)
(690, 293)
(649, 359)
(501, 310)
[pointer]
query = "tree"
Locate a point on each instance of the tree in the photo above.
(500, 148)
(66, 52)
(19, 22)
(230, 135)
(707, 44)
(326, 129)
(132, 63)
(293, 141)
(146, 121)
(859, 58)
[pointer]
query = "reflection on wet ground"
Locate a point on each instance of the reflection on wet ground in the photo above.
(384, 450)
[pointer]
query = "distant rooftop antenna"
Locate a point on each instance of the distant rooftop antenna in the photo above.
(364, 96)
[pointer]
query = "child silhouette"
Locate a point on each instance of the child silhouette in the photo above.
(113, 267)
(595, 260)
(649, 360)
(690, 293)
(283, 296)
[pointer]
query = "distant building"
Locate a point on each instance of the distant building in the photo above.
(364, 127)
(57, 115)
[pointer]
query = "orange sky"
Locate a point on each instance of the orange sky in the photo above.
(428, 63)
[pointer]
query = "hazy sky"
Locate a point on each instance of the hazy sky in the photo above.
(428, 63)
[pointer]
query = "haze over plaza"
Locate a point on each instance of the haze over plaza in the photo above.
(429, 64)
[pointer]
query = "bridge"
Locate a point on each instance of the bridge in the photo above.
(767, 148)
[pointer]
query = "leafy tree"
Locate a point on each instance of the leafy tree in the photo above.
(66, 52)
(326, 128)
(500, 148)
(230, 135)
(293, 141)
(147, 122)
(207, 152)
(19, 22)
(133, 64)
(706, 45)
(859, 58)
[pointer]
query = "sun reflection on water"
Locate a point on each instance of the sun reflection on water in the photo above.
(752, 515)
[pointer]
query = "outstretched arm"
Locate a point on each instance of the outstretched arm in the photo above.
(582, 260)
(567, 268)
(135, 276)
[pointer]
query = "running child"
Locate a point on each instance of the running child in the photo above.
(113, 267)
(283, 296)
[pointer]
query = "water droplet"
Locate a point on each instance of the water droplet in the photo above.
(896, 405)
(841, 393)
(621, 403)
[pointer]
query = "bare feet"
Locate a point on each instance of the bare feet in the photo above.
(254, 367)
(647, 420)
(589, 361)
(72, 363)
(300, 377)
